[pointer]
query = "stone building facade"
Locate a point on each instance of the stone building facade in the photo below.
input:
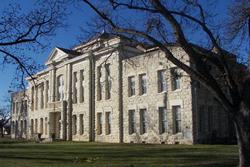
(111, 89)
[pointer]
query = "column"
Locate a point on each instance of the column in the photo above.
(69, 112)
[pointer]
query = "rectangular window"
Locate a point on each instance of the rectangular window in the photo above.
(41, 96)
(81, 86)
(36, 96)
(162, 83)
(143, 83)
(131, 86)
(177, 118)
(108, 123)
(99, 123)
(32, 98)
(46, 125)
(176, 78)
(143, 121)
(74, 124)
(81, 126)
(46, 93)
(13, 107)
(75, 87)
(163, 120)
(107, 81)
(99, 86)
(36, 126)
(131, 120)
(17, 107)
(41, 125)
(25, 106)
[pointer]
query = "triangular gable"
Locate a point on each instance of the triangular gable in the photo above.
(56, 55)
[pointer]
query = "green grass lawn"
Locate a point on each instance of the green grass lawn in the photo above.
(27, 154)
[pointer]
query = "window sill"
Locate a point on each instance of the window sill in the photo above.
(176, 90)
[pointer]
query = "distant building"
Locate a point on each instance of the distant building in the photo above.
(113, 90)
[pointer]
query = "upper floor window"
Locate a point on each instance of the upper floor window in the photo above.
(60, 88)
(176, 78)
(107, 81)
(162, 83)
(75, 87)
(143, 83)
(131, 85)
(41, 96)
(81, 86)
(46, 93)
(99, 85)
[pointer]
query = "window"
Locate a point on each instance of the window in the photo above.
(131, 120)
(17, 107)
(25, 126)
(46, 125)
(81, 126)
(108, 123)
(177, 118)
(36, 126)
(46, 93)
(142, 121)
(99, 123)
(99, 86)
(13, 107)
(162, 83)
(32, 98)
(25, 106)
(131, 86)
(163, 120)
(32, 126)
(60, 88)
(74, 126)
(143, 83)
(81, 86)
(36, 98)
(75, 87)
(41, 96)
(41, 125)
(176, 78)
(21, 127)
(107, 82)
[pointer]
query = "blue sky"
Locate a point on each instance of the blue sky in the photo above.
(67, 37)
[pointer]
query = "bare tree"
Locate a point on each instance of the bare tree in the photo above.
(4, 119)
(161, 22)
(22, 32)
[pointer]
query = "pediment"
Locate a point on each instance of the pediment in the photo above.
(60, 54)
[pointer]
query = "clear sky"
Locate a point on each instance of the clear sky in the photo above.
(79, 15)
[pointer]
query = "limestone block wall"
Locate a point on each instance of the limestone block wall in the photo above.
(151, 101)
(82, 107)
(105, 104)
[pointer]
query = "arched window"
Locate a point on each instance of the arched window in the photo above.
(60, 88)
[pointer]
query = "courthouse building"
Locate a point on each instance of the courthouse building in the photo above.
(111, 89)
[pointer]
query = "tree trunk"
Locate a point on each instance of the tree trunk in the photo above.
(242, 125)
